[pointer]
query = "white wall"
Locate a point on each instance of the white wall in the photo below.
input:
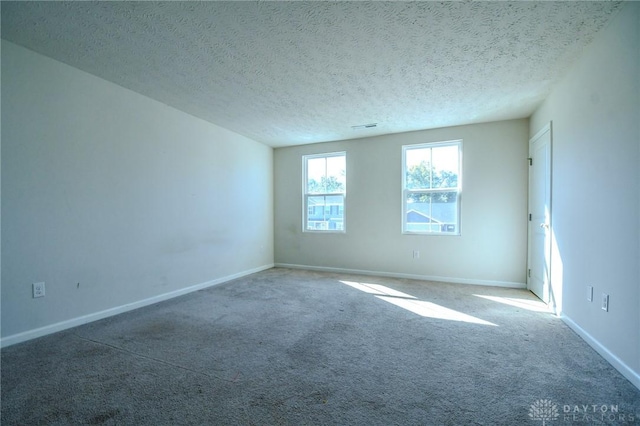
(595, 112)
(112, 198)
(492, 247)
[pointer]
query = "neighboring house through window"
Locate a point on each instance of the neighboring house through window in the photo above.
(324, 192)
(431, 186)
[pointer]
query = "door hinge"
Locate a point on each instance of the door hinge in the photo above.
(529, 273)
(529, 217)
(530, 161)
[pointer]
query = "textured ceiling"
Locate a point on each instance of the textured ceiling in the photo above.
(287, 73)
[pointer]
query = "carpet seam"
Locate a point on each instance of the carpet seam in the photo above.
(160, 361)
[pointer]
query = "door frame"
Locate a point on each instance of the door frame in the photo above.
(548, 242)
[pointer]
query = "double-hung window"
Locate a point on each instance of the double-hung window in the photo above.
(431, 187)
(324, 192)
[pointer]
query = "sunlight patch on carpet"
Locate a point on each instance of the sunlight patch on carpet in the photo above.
(412, 304)
(377, 289)
(528, 304)
(432, 310)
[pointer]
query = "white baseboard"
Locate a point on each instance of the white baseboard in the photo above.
(508, 284)
(617, 363)
(74, 322)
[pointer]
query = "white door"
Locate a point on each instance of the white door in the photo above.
(539, 259)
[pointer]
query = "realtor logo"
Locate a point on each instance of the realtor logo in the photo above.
(544, 410)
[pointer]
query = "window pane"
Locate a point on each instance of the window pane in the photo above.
(432, 212)
(445, 167)
(418, 168)
(327, 213)
(431, 187)
(326, 175)
(336, 174)
(316, 175)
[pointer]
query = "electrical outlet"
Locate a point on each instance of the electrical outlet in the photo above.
(590, 293)
(38, 290)
(605, 302)
(416, 254)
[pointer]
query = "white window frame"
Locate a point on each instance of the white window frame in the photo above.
(406, 192)
(306, 195)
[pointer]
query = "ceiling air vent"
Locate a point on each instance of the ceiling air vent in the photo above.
(364, 126)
